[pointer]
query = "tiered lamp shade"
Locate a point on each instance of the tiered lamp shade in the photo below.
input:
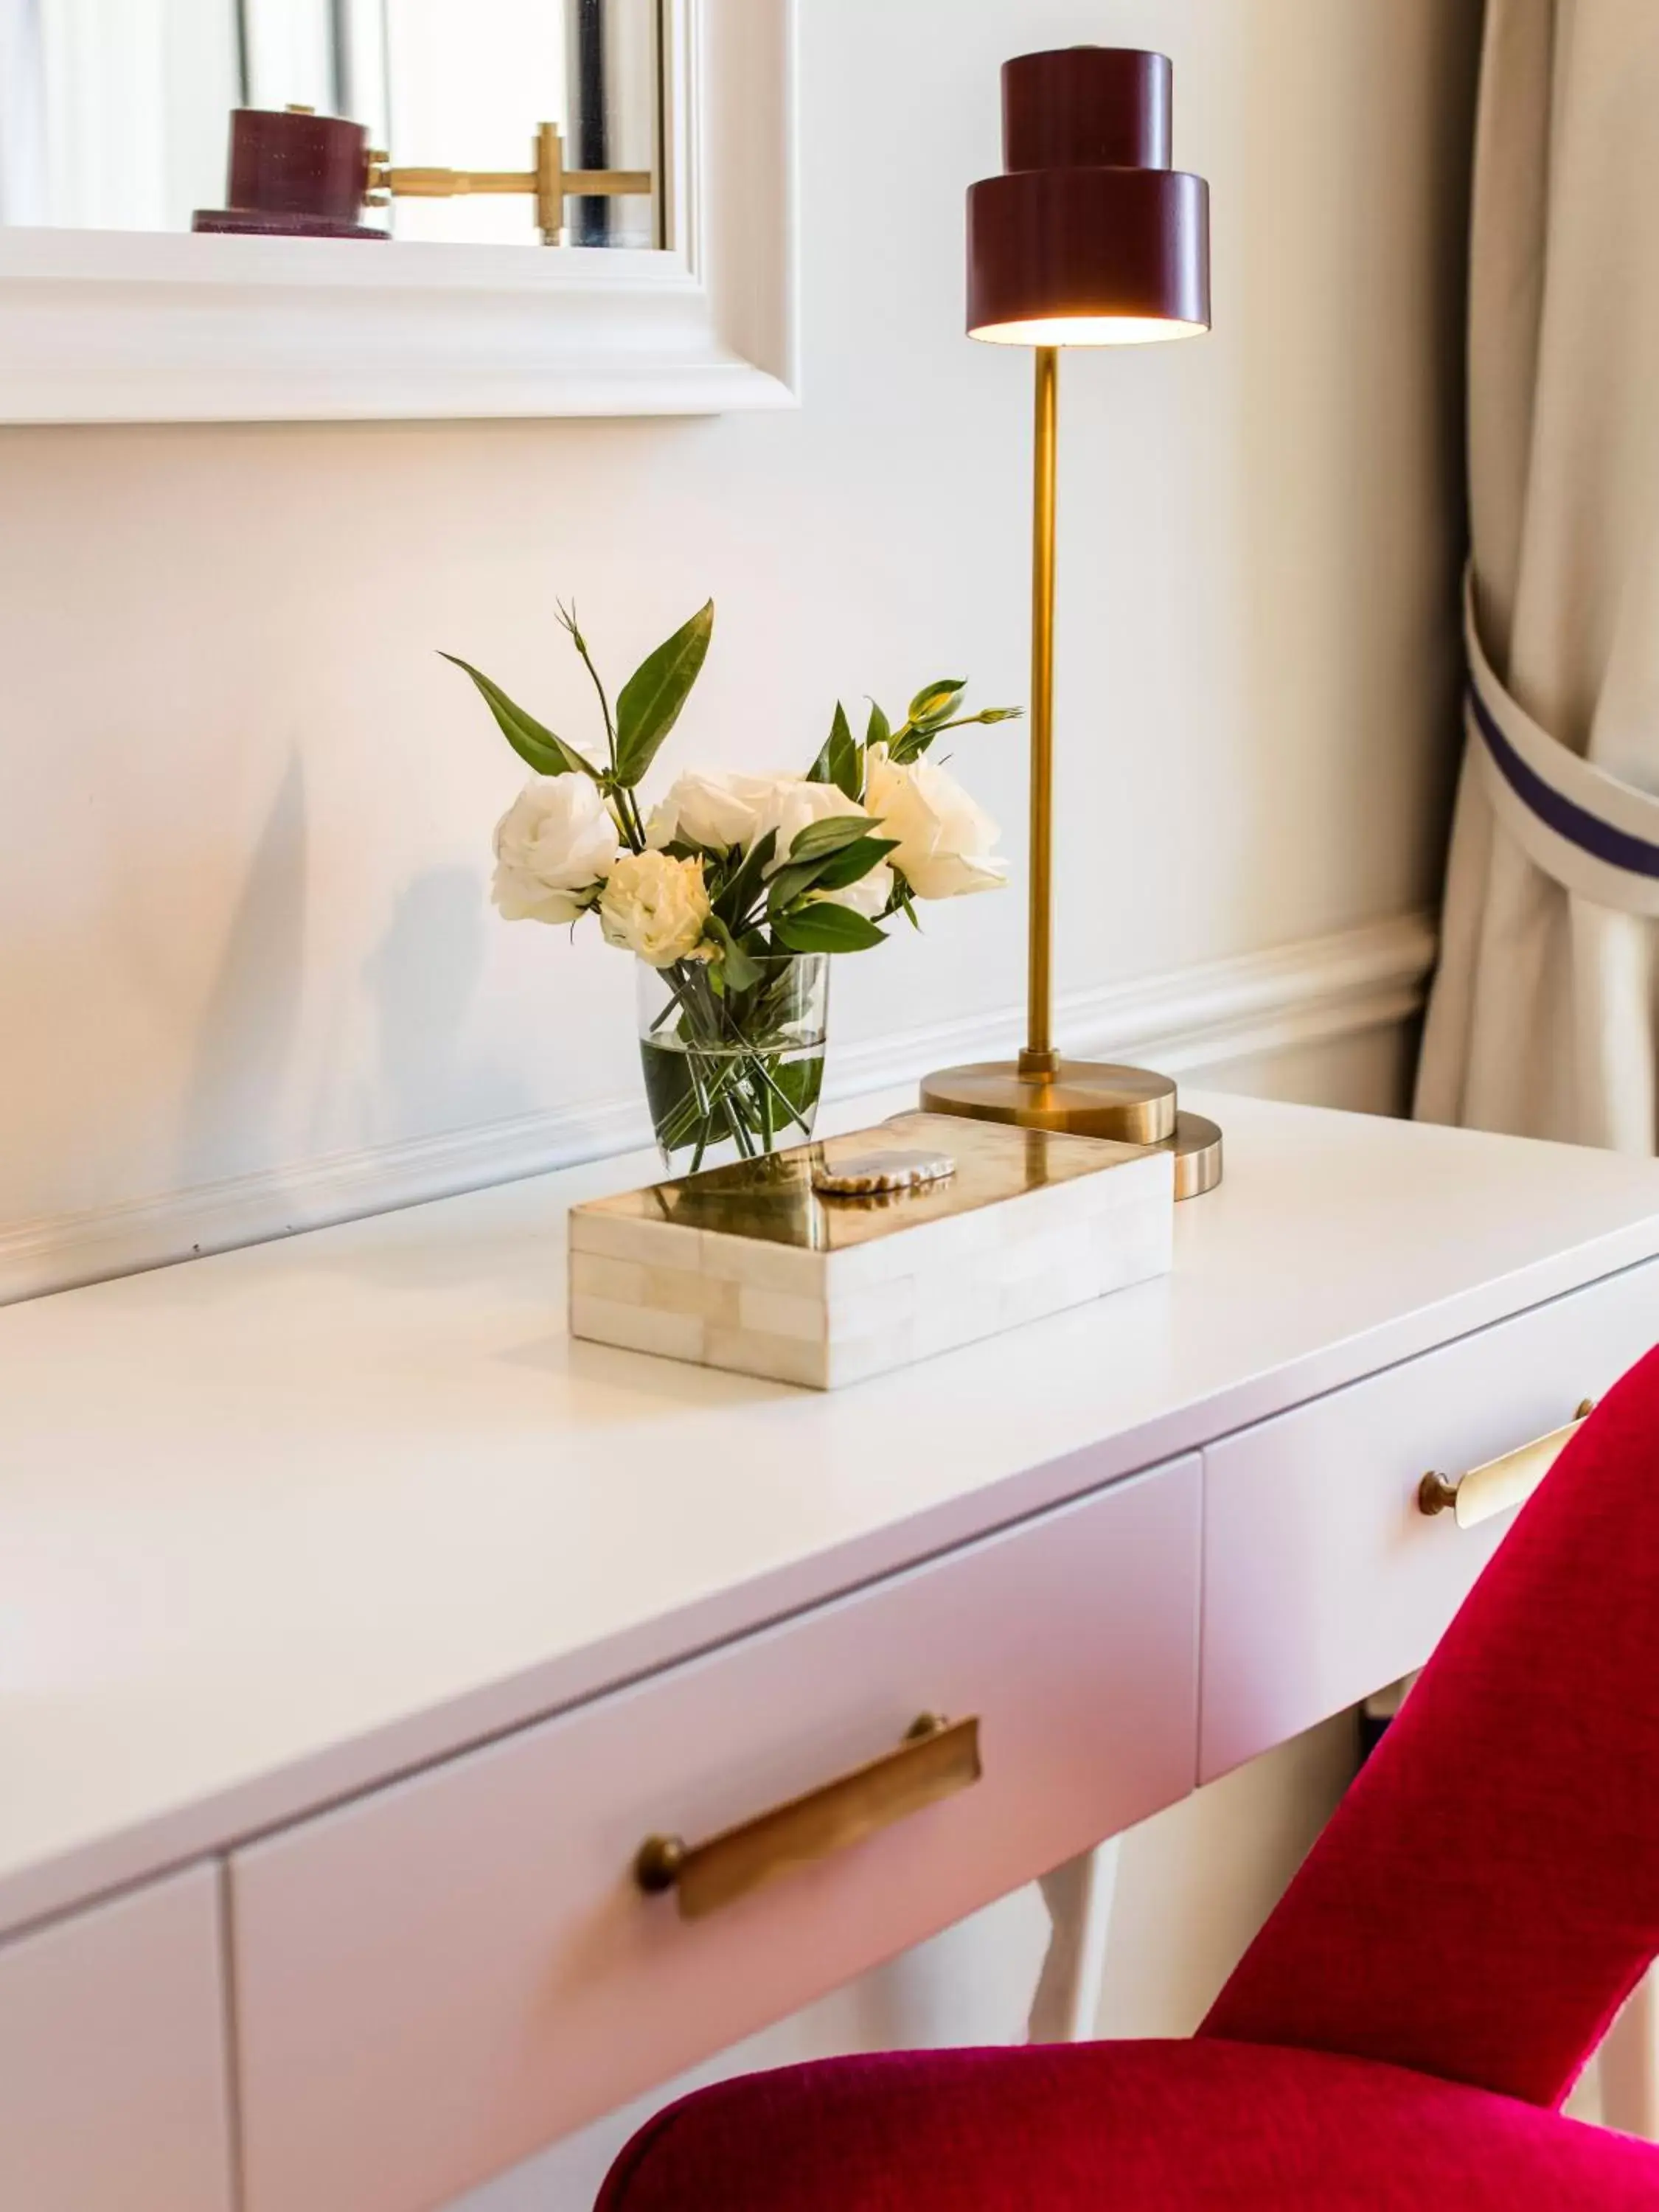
(1090, 237)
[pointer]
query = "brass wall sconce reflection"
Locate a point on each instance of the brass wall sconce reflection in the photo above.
(548, 180)
(296, 173)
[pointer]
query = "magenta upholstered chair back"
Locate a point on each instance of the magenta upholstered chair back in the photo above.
(1487, 1893)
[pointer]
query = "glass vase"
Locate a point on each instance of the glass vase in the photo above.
(729, 1075)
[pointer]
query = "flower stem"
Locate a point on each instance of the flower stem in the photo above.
(730, 1050)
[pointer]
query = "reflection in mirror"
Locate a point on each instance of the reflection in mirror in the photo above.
(117, 115)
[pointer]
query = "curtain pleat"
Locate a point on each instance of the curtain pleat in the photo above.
(1543, 1019)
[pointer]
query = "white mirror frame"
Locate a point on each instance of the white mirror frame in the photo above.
(102, 326)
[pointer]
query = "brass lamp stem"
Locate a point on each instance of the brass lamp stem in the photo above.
(1037, 1060)
(1087, 226)
(1076, 1098)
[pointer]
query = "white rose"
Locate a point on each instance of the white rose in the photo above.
(555, 843)
(791, 805)
(715, 810)
(721, 811)
(655, 907)
(944, 838)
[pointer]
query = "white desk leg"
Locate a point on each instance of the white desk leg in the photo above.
(1078, 1896)
(1629, 2062)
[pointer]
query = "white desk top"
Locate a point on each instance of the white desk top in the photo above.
(278, 1524)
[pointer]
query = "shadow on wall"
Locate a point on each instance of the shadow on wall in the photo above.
(423, 979)
(243, 1101)
(249, 1026)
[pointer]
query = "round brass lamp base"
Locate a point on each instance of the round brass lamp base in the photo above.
(1085, 1098)
(1082, 1099)
(1196, 1145)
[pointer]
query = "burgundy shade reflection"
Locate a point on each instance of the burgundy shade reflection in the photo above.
(1088, 221)
(294, 173)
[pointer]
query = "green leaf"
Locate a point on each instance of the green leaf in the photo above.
(741, 973)
(818, 838)
(820, 770)
(853, 863)
(790, 883)
(936, 702)
(649, 703)
(833, 871)
(824, 928)
(901, 902)
(536, 747)
(840, 761)
(880, 730)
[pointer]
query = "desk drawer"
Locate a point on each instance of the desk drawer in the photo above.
(114, 2095)
(1322, 1580)
(434, 1980)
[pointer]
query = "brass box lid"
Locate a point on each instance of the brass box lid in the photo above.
(772, 1199)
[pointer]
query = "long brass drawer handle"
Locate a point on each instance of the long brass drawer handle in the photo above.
(936, 1758)
(1500, 1483)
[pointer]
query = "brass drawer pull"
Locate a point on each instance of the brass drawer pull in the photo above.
(1500, 1483)
(936, 1758)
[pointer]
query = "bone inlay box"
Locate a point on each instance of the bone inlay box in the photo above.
(750, 1267)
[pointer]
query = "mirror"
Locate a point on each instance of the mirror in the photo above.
(472, 129)
(117, 115)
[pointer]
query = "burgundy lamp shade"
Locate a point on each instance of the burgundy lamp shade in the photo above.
(1090, 237)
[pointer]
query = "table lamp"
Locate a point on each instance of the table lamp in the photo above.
(1089, 238)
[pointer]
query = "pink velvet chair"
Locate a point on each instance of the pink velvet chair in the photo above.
(1404, 2029)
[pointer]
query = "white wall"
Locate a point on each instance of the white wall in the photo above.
(243, 850)
(243, 844)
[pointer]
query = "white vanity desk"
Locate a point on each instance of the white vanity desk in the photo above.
(348, 1616)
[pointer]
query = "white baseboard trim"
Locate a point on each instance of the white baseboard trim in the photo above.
(1196, 1019)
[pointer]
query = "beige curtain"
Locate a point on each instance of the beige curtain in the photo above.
(1543, 1019)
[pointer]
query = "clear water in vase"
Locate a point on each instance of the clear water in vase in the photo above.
(732, 1076)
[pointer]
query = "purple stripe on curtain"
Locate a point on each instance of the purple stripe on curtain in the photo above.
(1618, 848)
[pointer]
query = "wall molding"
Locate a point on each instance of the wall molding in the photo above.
(1191, 1019)
(1195, 1018)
